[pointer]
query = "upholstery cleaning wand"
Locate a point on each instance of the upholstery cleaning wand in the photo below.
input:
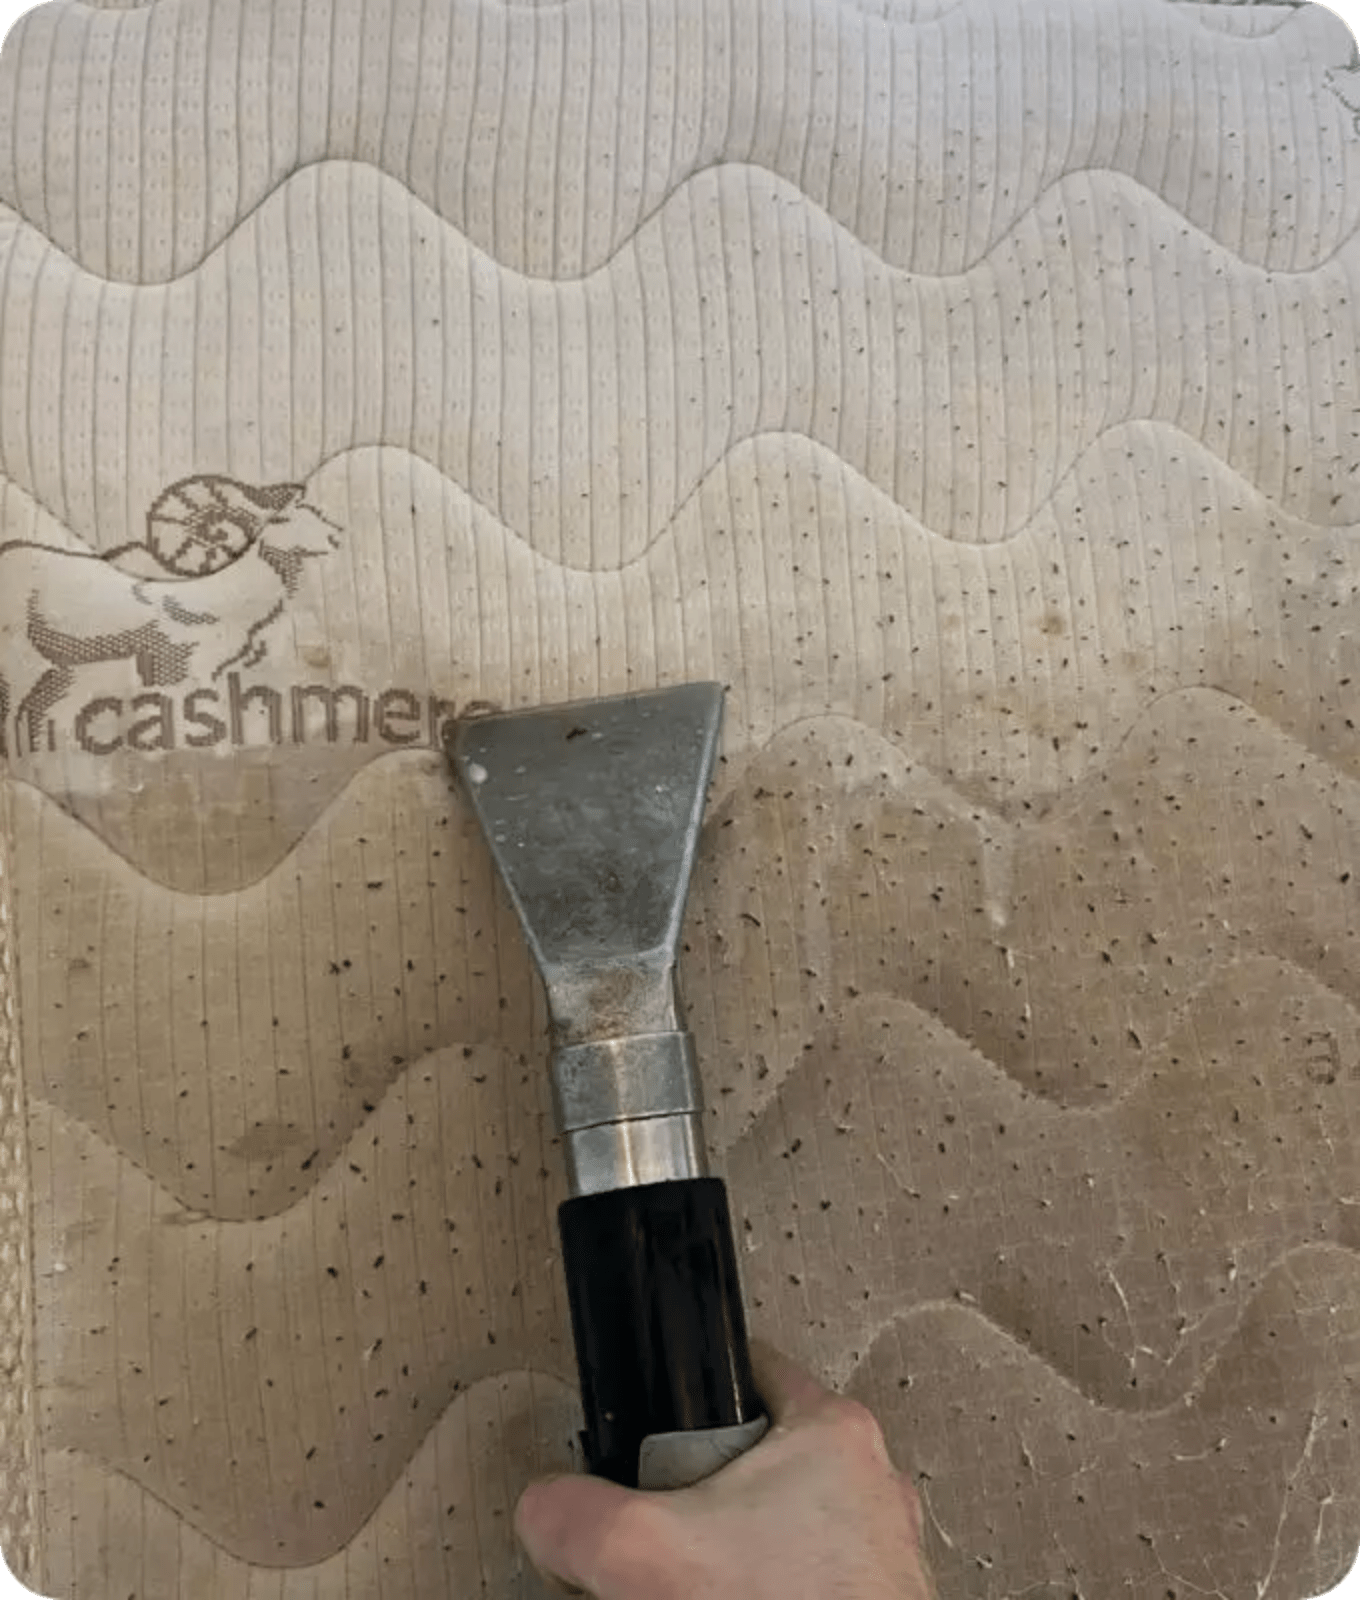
(592, 812)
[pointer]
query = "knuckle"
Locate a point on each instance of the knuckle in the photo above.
(641, 1523)
(650, 1554)
(641, 1546)
(860, 1429)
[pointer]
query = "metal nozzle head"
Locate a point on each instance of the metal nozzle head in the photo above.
(592, 811)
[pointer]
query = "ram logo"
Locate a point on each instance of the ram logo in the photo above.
(198, 598)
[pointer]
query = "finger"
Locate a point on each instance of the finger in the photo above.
(564, 1524)
(790, 1391)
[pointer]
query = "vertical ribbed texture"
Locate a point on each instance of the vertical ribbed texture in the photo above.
(20, 1475)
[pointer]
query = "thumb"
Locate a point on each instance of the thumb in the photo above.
(564, 1524)
(791, 1393)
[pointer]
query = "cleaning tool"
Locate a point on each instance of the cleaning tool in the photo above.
(592, 812)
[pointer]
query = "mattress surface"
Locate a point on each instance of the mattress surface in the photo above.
(973, 386)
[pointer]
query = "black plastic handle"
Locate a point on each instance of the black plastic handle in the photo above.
(657, 1317)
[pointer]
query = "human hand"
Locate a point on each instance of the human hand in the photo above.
(815, 1509)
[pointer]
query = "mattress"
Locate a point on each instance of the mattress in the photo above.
(972, 387)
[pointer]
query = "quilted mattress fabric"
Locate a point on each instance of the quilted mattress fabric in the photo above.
(973, 386)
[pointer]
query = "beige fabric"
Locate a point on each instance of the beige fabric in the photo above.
(972, 385)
